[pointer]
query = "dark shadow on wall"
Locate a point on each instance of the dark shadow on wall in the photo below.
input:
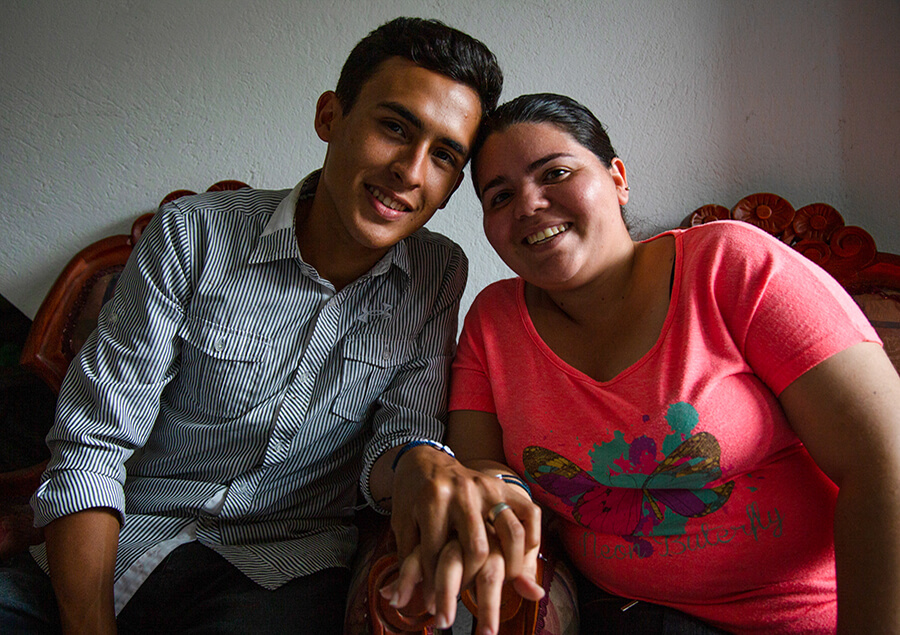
(26, 403)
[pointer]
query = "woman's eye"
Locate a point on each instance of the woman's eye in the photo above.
(555, 174)
(498, 199)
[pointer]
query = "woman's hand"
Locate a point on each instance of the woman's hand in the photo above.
(488, 583)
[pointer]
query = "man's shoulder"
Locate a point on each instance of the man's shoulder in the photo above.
(428, 244)
(244, 202)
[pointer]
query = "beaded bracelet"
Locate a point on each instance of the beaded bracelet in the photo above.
(512, 479)
(409, 446)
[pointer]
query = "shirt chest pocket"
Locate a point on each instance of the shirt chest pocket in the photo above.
(370, 363)
(221, 367)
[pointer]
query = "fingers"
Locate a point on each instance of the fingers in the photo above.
(401, 590)
(511, 534)
(489, 585)
(448, 582)
(528, 584)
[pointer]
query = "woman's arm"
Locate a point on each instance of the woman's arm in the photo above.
(846, 410)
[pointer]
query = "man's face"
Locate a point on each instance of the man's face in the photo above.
(396, 157)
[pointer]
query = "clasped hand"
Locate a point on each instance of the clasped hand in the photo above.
(446, 541)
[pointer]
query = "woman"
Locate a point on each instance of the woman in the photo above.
(708, 415)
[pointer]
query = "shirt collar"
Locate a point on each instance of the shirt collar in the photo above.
(277, 240)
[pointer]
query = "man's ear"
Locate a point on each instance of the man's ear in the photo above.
(328, 110)
(459, 180)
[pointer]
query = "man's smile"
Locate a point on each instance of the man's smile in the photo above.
(387, 200)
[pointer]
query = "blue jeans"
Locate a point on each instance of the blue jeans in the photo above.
(194, 590)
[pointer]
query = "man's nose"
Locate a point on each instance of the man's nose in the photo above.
(411, 165)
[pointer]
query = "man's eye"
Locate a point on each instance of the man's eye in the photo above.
(446, 157)
(393, 126)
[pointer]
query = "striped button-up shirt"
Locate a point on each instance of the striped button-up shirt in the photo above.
(245, 399)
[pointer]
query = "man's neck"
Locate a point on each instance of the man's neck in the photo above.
(334, 256)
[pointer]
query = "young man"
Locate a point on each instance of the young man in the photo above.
(266, 354)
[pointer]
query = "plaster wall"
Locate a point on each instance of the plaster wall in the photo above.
(107, 105)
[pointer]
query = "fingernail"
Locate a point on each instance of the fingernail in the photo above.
(395, 600)
(441, 622)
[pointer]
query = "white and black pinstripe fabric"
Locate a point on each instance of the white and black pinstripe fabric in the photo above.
(246, 396)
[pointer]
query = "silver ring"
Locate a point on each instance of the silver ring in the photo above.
(496, 510)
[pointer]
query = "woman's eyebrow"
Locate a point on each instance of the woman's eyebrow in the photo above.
(534, 165)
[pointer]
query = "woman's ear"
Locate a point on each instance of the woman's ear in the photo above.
(617, 171)
(328, 111)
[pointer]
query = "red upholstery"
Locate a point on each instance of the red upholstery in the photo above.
(63, 322)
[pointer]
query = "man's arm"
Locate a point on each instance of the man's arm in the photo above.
(81, 550)
(106, 409)
(845, 410)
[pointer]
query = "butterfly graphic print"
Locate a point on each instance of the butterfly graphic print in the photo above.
(632, 503)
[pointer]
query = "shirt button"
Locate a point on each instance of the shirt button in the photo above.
(113, 318)
(386, 354)
(220, 344)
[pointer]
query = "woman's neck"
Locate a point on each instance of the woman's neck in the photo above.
(603, 295)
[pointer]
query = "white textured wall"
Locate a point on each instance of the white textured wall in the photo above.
(107, 105)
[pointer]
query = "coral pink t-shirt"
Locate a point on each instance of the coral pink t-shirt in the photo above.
(680, 482)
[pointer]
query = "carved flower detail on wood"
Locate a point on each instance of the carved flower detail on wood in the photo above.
(817, 222)
(767, 211)
(708, 214)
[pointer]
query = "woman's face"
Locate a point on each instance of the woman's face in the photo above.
(552, 209)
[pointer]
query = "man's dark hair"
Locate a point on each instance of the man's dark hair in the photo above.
(430, 44)
(563, 112)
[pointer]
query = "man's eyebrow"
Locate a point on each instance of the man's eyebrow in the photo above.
(534, 165)
(407, 114)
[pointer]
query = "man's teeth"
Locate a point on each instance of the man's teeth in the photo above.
(388, 201)
(545, 234)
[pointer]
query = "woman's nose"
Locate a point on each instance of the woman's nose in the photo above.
(531, 200)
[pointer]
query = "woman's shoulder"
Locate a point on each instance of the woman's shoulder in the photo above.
(728, 234)
(498, 292)
(497, 298)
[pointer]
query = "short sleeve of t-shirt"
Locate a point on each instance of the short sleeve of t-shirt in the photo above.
(470, 381)
(785, 313)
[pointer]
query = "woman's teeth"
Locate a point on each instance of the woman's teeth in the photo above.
(546, 233)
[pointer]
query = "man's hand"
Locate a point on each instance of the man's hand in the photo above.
(440, 511)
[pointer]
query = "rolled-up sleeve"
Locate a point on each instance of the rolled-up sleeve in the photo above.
(110, 396)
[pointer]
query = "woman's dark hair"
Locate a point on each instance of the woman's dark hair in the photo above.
(561, 111)
(430, 44)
